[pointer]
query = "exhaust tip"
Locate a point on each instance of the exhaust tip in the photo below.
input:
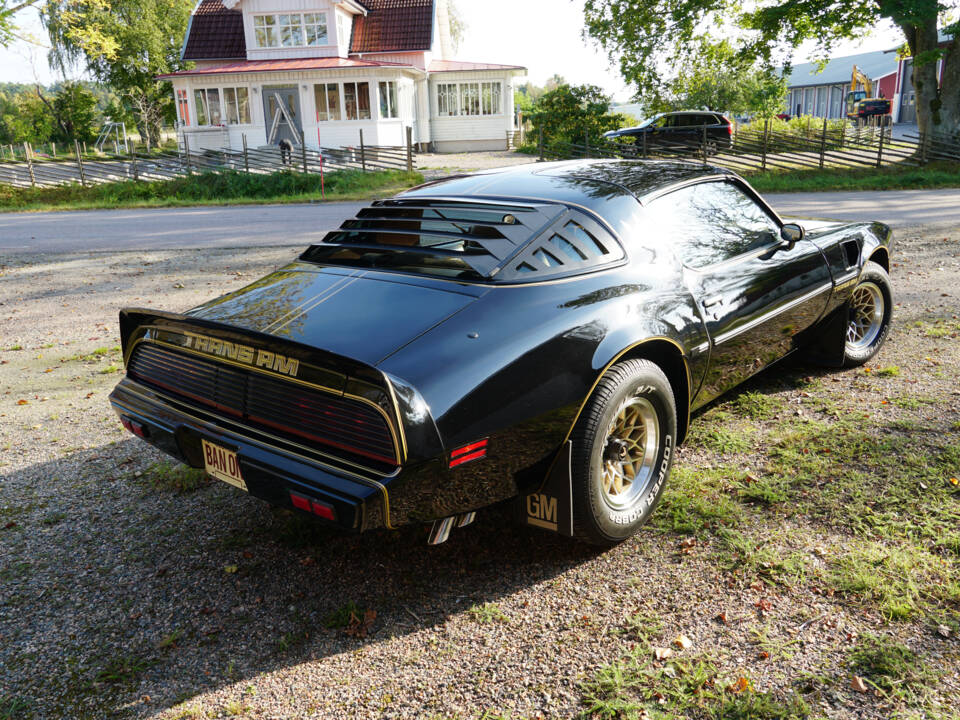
(440, 530)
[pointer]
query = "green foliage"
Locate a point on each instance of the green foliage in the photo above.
(717, 78)
(941, 175)
(127, 44)
(211, 187)
(38, 115)
(568, 114)
(645, 37)
(343, 616)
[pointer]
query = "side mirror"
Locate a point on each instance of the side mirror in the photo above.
(791, 234)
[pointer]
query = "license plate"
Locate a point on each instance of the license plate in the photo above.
(222, 464)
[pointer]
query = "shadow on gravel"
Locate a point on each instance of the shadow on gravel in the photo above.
(121, 597)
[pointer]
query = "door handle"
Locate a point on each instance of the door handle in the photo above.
(711, 301)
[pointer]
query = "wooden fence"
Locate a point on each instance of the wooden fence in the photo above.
(30, 169)
(759, 148)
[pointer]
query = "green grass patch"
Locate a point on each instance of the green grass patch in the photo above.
(757, 405)
(343, 616)
(221, 188)
(175, 477)
(933, 175)
(635, 686)
(696, 500)
(487, 613)
(891, 667)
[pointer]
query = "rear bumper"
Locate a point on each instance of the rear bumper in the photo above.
(270, 473)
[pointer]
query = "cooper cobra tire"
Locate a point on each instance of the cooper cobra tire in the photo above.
(623, 447)
(870, 308)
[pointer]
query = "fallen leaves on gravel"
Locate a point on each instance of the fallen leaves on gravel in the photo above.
(662, 653)
(943, 630)
(858, 684)
(230, 569)
(23, 402)
(683, 642)
(740, 685)
(359, 628)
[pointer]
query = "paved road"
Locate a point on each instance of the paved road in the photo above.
(240, 226)
(898, 208)
(162, 228)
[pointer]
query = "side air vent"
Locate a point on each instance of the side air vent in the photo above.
(572, 244)
(851, 252)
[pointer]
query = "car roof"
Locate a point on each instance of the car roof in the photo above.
(585, 182)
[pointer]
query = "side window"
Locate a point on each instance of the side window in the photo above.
(711, 222)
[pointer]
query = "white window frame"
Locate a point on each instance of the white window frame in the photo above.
(298, 26)
(201, 101)
(356, 84)
(460, 98)
(326, 102)
(391, 98)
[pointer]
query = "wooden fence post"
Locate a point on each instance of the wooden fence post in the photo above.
(705, 155)
(763, 157)
(53, 149)
(540, 143)
(133, 157)
(186, 153)
(303, 151)
(363, 153)
(644, 136)
(823, 142)
(84, 147)
(28, 155)
(83, 175)
(880, 150)
(246, 156)
(410, 149)
(586, 143)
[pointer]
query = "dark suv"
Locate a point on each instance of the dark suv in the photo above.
(680, 130)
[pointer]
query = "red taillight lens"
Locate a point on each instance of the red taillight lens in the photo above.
(301, 502)
(466, 453)
(134, 427)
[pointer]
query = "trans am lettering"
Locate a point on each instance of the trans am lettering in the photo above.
(243, 353)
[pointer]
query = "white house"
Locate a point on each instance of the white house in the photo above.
(324, 69)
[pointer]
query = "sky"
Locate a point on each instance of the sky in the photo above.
(542, 35)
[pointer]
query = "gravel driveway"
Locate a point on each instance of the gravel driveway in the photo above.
(131, 589)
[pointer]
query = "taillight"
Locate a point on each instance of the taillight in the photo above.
(466, 453)
(133, 426)
(302, 502)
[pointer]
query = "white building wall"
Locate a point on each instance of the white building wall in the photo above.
(376, 130)
(472, 132)
(272, 7)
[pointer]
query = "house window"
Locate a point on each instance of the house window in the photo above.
(237, 104)
(327, 96)
(469, 98)
(208, 106)
(356, 100)
(388, 100)
(183, 107)
(446, 99)
(290, 30)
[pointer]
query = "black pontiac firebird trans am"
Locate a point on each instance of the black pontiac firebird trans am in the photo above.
(539, 333)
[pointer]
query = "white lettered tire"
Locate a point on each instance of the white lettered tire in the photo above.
(623, 448)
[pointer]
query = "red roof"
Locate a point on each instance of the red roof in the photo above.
(393, 26)
(215, 33)
(247, 66)
(460, 66)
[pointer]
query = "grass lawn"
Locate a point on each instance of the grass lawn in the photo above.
(224, 188)
(935, 175)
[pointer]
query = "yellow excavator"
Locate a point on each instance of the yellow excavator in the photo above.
(860, 102)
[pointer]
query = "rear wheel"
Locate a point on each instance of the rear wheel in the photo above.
(869, 311)
(622, 452)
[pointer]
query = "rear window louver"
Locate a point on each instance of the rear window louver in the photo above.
(468, 239)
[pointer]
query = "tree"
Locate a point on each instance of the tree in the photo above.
(126, 44)
(646, 36)
(8, 28)
(568, 114)
(719, 79)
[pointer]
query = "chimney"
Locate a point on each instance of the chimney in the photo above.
(443, 27)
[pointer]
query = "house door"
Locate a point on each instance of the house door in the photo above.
(281, 112)
(908, 98)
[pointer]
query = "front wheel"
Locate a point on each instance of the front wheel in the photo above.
(869, 312)
(623, 446)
